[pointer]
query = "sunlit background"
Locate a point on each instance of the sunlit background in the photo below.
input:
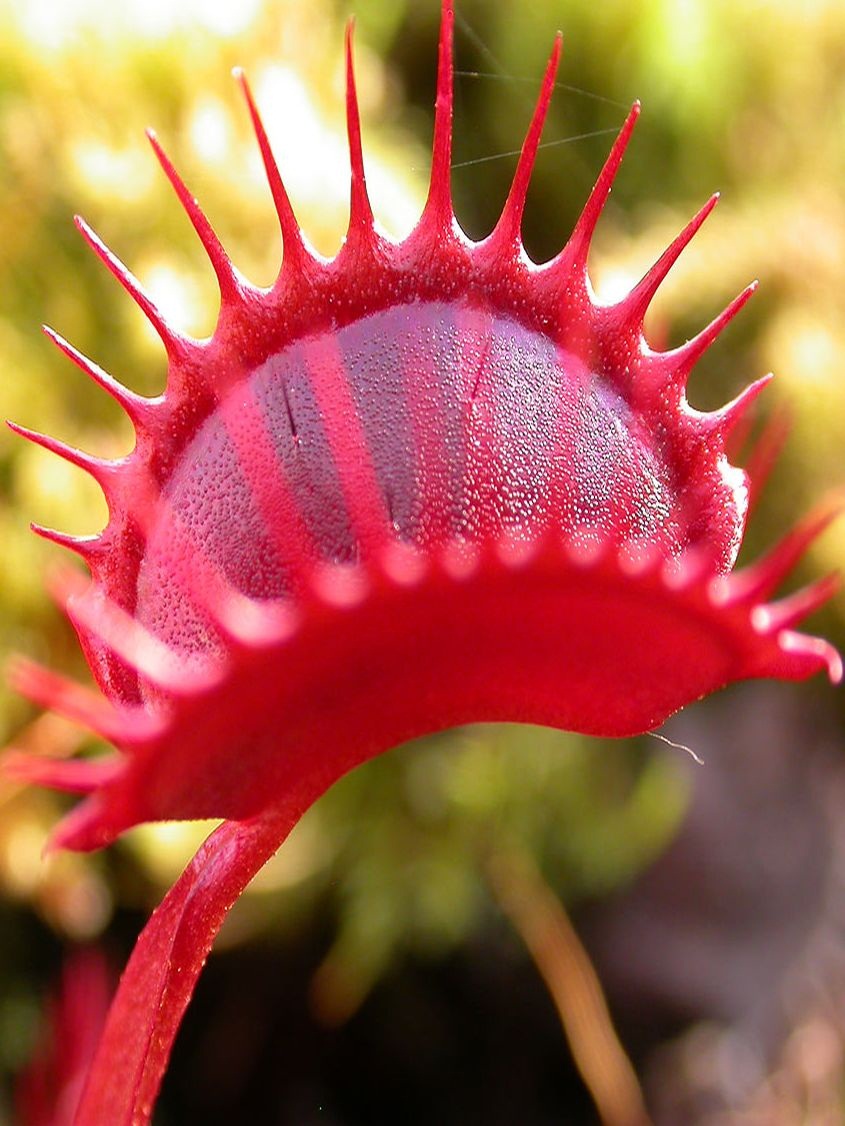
(377, 970)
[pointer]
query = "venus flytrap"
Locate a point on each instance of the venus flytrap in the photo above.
(421, 484)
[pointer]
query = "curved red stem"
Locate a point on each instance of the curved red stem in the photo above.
(160, 977)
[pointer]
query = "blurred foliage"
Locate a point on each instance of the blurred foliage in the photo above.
(746, 97)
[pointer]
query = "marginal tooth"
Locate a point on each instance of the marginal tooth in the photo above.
(792, 610)
(516, 551)
(84, 829)
(402, 563)
(342, 586)
(509, 227)
(459, 560)
(177, 346)
(756, 582)
(576, 251)
(438, 213)
(137, 407)
(360, 210)
(765, 451)
(294, 248)
(50, 690)
(255, 624)
(722, 422)
(86, 547)
(818, 653)
(177, 673)
(633, 306)
(680, 361)
(226, 276)
(73, 776)
(587, 547)
(638, 558)
(689, 568)
(102, 470)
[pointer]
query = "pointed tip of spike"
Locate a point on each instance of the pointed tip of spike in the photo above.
(813, 654)
(760, 579)
(136, 407)
(577, 250)
(360, 209)
(634, 306)
(73, 776)
(723, 421)
(55, 692)
(83, 706)
(681, 360)
(100, 469)
(293, 243)
(439, 203)
(790, 611)
(508, 229)
(765, 451)
(81, 830)
(175, 344)
(83, 546)
(217, 256)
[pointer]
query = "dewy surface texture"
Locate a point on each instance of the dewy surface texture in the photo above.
(422, 484)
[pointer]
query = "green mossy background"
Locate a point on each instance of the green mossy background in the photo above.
(747, 98)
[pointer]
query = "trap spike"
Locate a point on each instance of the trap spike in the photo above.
(126, 727)
(681, 360)
(814, 653)
(724, 420)
(73, 776)
(439, 202)
(640, 297)
(220, 262)
(82, 829)
(792, 610)
(765, 451)
(175, 344)
(101, 469)
(360, 210)
(135, 406)
(293, 244)
(510, 223)
(120, 632)
(86, 547)
(52, 691)
(253, 624)
(576, 250)
(760, 579)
